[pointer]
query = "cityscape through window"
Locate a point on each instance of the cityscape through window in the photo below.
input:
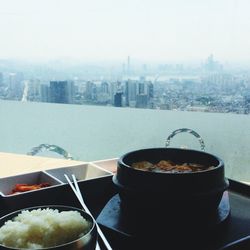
(101, 78)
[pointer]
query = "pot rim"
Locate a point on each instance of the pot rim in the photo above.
(220, 162)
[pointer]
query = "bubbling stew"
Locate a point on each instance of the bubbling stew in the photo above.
(167, 166)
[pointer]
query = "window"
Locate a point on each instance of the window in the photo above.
(126, 74)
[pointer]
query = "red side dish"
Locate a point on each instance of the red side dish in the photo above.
(20, 188)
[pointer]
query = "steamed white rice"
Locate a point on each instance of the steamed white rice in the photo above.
(41, 228)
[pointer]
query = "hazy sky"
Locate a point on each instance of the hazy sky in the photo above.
(149, 30)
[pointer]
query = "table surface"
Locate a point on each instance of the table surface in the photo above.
(14, 164)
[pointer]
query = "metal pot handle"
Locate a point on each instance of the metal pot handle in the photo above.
(181, 130)
(50, 147)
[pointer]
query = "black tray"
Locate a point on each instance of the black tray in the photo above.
(232, 234)
(220, 231)
(133, 226)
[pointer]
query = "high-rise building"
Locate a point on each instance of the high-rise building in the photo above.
(61, 91)
(118, 99)
(15, 85)
(90, 91)
(142, 88)
(128, 66)
(127, 93)
(150, 95)
(144, 93)
(71, 92)
(130, 93)
(115, 87)
(44, 90)
(211, 65)
(150, 90)
(105, 87)
(34, 89)
(141, 101)
(103, 93)
(1, 79)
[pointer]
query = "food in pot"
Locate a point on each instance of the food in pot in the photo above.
(20, 188)
(170, 167)
(42, 228)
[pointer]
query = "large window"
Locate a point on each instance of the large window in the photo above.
(100, 78)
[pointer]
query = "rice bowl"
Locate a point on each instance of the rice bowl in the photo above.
(50, 227)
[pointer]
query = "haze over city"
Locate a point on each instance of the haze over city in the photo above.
(149, 31)
(175, 55)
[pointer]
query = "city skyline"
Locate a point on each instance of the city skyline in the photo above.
(205, 89)
(112, 30)
(128, 66)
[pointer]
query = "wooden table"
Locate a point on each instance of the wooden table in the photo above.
(13, 164)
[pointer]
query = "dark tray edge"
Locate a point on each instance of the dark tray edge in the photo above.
(239, 187)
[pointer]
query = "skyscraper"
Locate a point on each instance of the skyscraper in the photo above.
(90, 91)
(150, 95)
(1, 79)
(144, 93)
(141, 101)
(105, 87)
(15, 85)
(118, 99)
(128, 66)
(150, 90)
(211, 65)
(44, 90)
(130, 93)
(61, 91)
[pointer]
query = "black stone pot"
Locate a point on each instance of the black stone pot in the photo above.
(142, 192)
